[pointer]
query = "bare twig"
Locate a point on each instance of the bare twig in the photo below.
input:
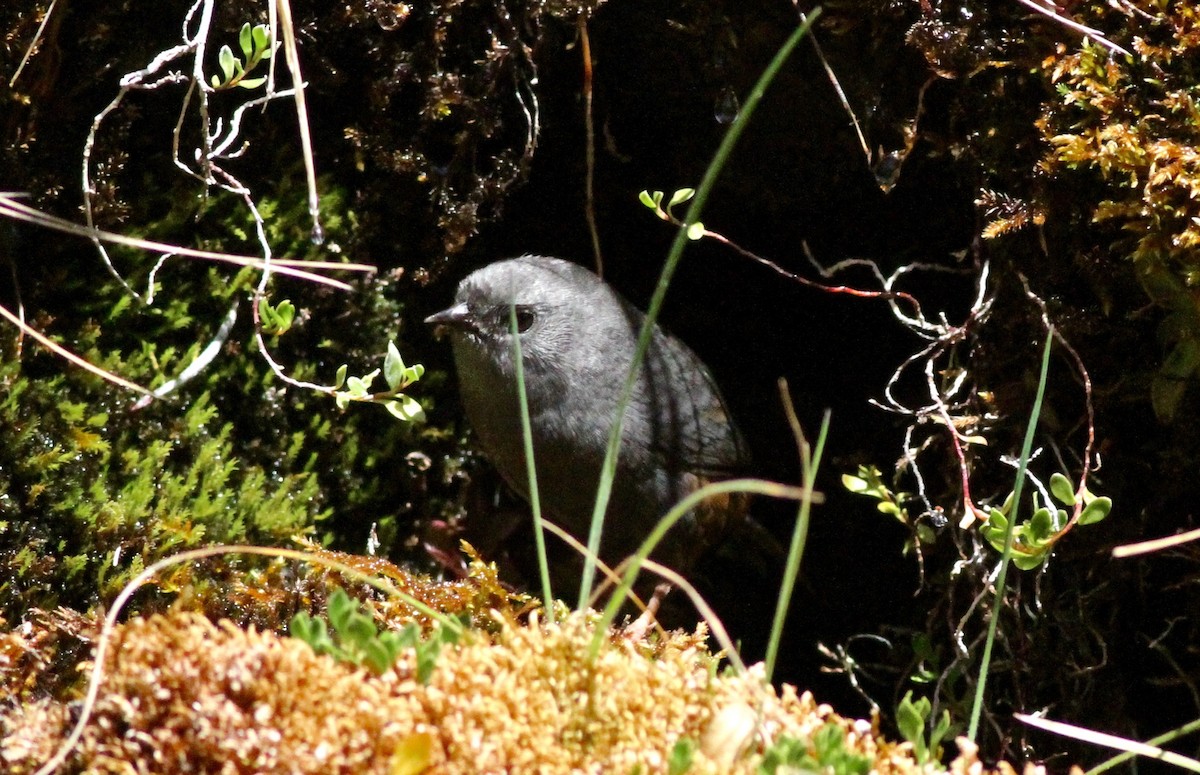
(837, 87)
(1155, 544)
(589, 203)
(1071, 24)
(1088, 451)
(284, 10)
(887, 293)
(198, 364)
(63, 352)
(32, 47)
(14, 209)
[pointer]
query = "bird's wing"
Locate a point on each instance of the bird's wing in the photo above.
(701, 436)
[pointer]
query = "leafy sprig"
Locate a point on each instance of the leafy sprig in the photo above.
(398, 376)
(654, 199)
(826, 752)
(357, 640)
(910, 719)
(255, 43)
(1034, 538)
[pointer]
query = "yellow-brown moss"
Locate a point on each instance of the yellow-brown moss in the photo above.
(184, 694)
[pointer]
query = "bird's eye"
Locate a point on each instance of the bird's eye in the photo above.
(525, 318)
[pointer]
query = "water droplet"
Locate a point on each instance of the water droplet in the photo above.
(726, 109)
(318, 234)
(887, 170)
(389, 16)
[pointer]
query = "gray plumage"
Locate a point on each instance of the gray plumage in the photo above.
(578, 338)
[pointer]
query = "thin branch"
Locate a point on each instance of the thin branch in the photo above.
(37, 36)
(1087, 32)
(198, 364)
(837, 87)
(13, 209)
(1155, 544)
(284, 10)
(589, 193)
(63, 352)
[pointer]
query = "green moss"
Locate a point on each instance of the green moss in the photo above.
(85, 502)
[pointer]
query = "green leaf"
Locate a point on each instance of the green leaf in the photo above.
(1028, 561)
(246, 40)
(427, 654)
(339, 379)
(854, 483)
(682, 195)
(940, 730)
(1095, 511)
(645, 198)
(262, 40)
(340, 608)
(1061, 488)
(681, 757)
(695, 231)
(359, 629)
(377, 657)
(276, 320)
(392, 642)
(251, 83)
(286, 310)
(227, 61)
(1041, 525)
(311, 631)
(393, 367)
(910, 720)
(405, 409)
(409, 635)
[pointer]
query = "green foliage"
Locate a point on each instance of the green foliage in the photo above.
(683, 753)
(653, 200)
(868, 481)
(911, 717)
(826, 754)
(276, 320)
(90, 496)
(357, 640)
(255, 43)
(398, 377)
(1034, 538)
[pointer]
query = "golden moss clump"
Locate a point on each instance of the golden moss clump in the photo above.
(1136, 121)
(181, 694)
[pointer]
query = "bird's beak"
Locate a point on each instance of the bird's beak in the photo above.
(458, 317)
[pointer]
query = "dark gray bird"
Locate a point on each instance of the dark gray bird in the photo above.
(578, 338)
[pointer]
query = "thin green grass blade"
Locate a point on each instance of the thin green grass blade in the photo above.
(1164, 738)
(535, 503)
(993, 620)
(609, 469)
(678, 512)
(811, 462)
